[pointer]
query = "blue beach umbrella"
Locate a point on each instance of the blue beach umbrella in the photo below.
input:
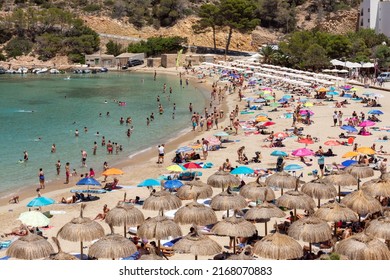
(88, 182)
(172, 184)
(149, 183)
(348, 162)
(184, 149)
(41, 201)
(332, 93)
(278, 153)
(375, 112)
(287, 96)
(283, 100)
(293, 167)
(348, 128)
(242, 170)
(259, 100)
(221, 134)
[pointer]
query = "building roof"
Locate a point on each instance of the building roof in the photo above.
(127, 55)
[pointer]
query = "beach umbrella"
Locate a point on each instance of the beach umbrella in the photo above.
(293, 167)
(296, 200)
(304, 112)
(88, 181)
(227, 200)
(195, 213)
(308, 104)
(151, 256)
(269, 97)
(81, 229)
(310, 229)
(302, 152)
(172, 184)
(60, 255)
(280, 135)
(380, 228)
(348, 162)
(161, 200)
(268, 123)
(112, 246)
(350, 154)
(332, 143)
(305, 141)
(184, 149)
(360, 171)
(197, 244)
(335, 212)
(281, 180)
(319, 189)
(375, 112)
(176, 168)
(366, 150)
(261, 119)
(191, 165)
(322, 90)
(234, 227)
(363, 246)
(242, 170)
(159, 227)
(256, 191)
(377, 187)
(112, 171)
(277, 153)
(332, 93)
(274, 104)
(278, 246)
(149, 183)
(221, 134)
(246, 254)
(341, 179)
(367, 123)
(41, 201)
(223, 179)
(126, 215)
(349, 128)
(362, 203)
(287, 96)
(193, 189)
(263, 212)
(34, 219)
(30, 247)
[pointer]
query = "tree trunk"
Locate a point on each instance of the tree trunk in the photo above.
(228, 41)
(214, 40)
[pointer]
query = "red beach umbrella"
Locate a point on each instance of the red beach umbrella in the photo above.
(332, 143)
(305, 141)
(192, 165)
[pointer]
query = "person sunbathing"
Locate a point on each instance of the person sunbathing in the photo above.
(19, 231)
(69, 200)
(112, 185)
(103, 215)
(14, 199)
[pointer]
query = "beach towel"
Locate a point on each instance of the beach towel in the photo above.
(98, 191)
(170, 243)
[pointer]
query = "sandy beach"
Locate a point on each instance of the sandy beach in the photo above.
(143, 166)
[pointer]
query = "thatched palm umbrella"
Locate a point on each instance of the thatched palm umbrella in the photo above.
(197, 244)
(377, 187)
(195, 213)
(310, 229)
(246, 254)
(152, 255)
(281, 180)
(227, 200)
(30, 247)
(363, 246)
(278, 246)
(360, 171)
(341, 179)
(159, 227)
(319, 189)
(234, 227)
(194, 189)
(257, 191)
(112, 246)
(296, 200)
(60, 255)
(264, 212)
(81, 229)
(126, 215)
(360, 202)
(222, 180)
(380, 228)
(161, 200)
(334, 212)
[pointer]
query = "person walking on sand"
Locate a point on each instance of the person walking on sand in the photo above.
(41, 177)
(58, 167)
(161, 151)
(67, 173)
(236, 125)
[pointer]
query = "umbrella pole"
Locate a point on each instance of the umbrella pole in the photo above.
(339, 193)
(319, 203)
(234, 244)
(265, 228)
(358, 184)
(158, 244)
(196, 257)
(335, 229)
(281, 190)
(310, 247)
(81, 250)
(295, 215)
(124, 229)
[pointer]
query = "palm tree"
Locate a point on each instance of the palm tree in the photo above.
(267, 52)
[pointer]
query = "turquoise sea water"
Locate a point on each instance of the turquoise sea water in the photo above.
(38, 111)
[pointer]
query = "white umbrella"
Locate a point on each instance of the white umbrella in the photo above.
(34, 219)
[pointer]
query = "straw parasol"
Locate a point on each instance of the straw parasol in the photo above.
(246, 254)
(363, 246)
(281, 180)
(377, 187)
(278, 246)
(360, 171)
(334, 212)
(360, 202)
(126, 215)
(197, 244)
(319, 189)
(264, 212)
(227, 200)
(341, 179)
(161, 200)
(112, 246)
(81, 229)
(60, 255)
(159, 227)
(152, 255)
(296, 200)
(195, 213)
(310, 229)
(30, 247)
(223, 179)
(380, 228)
(234, 227)
(193, 188)
(257, 191)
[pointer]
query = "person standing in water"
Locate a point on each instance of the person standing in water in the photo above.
(41, 177)
(58, 167)
(25, 156)
(67, 173)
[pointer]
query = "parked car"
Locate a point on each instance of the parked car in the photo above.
(384, 76)
(135, 62)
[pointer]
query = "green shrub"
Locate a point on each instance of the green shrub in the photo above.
(18, 46)
(108, 3)
(92, 8)
(2, 57)
(5, 35)
(76, 58)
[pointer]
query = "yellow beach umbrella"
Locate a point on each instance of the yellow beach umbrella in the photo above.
(350, 154)
(353, 89)
(366, 150)
(262, 119)
(322, 90)
(112, 171)
(308, 104)
(266, 92)
(176, 168)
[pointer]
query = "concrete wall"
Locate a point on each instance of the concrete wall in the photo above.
(169, 60)
(154, 62)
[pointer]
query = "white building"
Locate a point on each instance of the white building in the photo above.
(375, 14)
